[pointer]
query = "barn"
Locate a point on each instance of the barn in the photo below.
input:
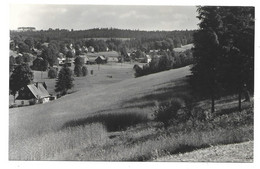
(36, 91)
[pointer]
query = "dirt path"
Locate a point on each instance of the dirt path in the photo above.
(241, 152)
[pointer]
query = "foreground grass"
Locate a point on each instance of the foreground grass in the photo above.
(46, 146)
(150, 141)
(91, 139)
(239, 152)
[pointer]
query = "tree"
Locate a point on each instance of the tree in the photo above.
(224, 51)
(40, 64)
(52, 73)
(23, 48)
(79, 62)
(165, 62)
(50, 54)
(238, 45)
(64, 81)
(26, 58)
(19, 59)
(84, 71)
(206, 53)
(11, 63)
(29, 42)
(21, 76)
(78, 70)
(69, 54)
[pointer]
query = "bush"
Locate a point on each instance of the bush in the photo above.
(78, 70)
(84, 71)
(52, 73)
(167, 111)
(32, 102)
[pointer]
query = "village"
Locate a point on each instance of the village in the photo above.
(38, 92)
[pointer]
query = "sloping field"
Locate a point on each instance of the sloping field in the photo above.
(38, 119)
(114, 121)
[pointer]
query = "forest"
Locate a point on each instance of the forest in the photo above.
(112, 38)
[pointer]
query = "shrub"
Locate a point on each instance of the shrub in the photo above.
(84, 71)
(138, 70)
(78, 70)
(52, 73)
(32, 102)
(166, 111)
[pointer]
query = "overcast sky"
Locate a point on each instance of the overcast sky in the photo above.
(80, 17)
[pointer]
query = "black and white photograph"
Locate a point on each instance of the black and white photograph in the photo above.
(131, 83)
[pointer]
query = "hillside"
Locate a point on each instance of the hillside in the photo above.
(53, 115)
(116, 122)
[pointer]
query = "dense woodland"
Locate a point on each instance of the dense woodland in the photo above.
(224, 52)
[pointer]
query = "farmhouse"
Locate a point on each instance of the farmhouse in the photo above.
(100, 60)
(91, 60)
(36, 91)
(112, 56)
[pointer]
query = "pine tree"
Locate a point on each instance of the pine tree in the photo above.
(206, 53)
(224, 51)
(238, 65)
(64, 81)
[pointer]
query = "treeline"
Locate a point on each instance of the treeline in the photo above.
(62, 34)
(131, 39)
(166, 60)
(224, 52)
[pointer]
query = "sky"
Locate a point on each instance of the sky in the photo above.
(81, 17)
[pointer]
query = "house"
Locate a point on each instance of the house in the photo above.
(91, 49)
(112, 56)
(84, 57)
(101, 60)
(148, 58)
(112, 59)
(35, 92)
(91, 60)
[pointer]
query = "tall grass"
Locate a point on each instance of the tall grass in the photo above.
(48, 145)
(164, 144)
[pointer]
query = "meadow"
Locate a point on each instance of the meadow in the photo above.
(113, 119)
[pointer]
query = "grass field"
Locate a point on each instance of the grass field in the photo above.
(113, 119)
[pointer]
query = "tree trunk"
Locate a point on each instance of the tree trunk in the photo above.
(212, 104)
(14, 98)
(239, 100)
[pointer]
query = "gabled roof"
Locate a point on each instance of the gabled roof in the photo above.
(38, 90)
(101, 57)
